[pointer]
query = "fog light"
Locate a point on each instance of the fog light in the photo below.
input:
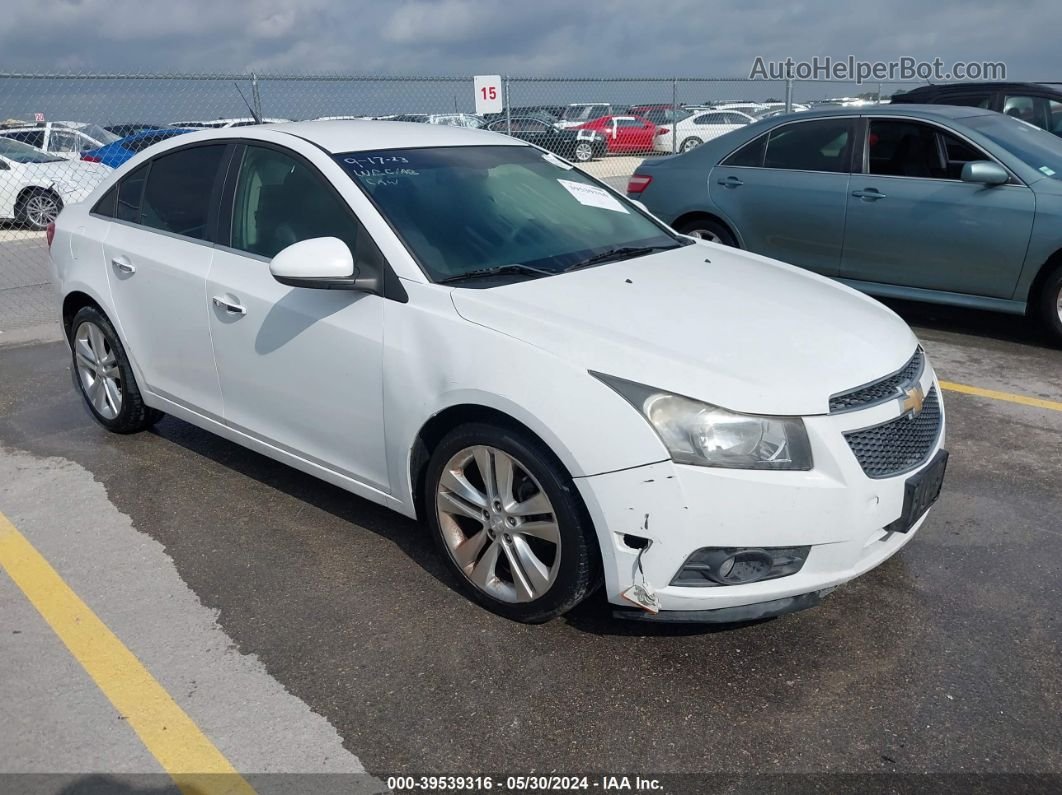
(714, 566)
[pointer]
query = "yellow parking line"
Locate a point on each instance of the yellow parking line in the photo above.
(1009, 397)
(184, 752)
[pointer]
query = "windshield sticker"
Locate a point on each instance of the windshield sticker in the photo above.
(1048, 171)
(551, 158)
(592, 196)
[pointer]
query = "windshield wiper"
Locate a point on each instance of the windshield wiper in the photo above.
(612, 254)
(497, 270)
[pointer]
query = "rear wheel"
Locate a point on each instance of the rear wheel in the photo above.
(1049, 305)
(104, 375)
(708, 229)
(38, 208)
(584, 152)
(509, 523)
(690, 143)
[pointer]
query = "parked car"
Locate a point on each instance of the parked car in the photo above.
(1034, 103)
(469, 120)
(64, 139)
(579, 113)
(115, 154)
(131, 128)
(659, 114)
(579, 145)
(697, 128)
(553, 112)
(625, 134)
(217, 124)
(35, 186)
(382, 305)
(953, 205)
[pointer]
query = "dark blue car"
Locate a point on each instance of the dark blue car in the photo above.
(115, 154)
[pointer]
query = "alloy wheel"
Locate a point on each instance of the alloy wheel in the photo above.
(705, 234)
(584, 152)
(41, 209)
(1058, 304)
(97, 368)
(498, 524)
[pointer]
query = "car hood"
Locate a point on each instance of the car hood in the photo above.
(712, 323)
(77, 173)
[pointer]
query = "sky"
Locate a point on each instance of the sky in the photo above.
(536, 38)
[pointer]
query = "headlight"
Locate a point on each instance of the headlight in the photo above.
(706, 435)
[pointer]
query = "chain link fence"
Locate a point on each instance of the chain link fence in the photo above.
(61, 134)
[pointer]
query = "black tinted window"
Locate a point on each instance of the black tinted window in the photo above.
(177, 196)
(106, 205)
(823, 145)
(130, 192)
(31, 137)
(974, 100)
(280, 200)
(911, 149)
(751, 154)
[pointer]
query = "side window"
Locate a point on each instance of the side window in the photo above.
(34, 138)
(903, 149)
(751, 154)
(1054, 110)
(130, 192)
(63, 142)
(280, 200)
(820, 145)
(979, 100)
(106, 205)
(179, 186)
(626, 122)
(1029, 109)
(957, 153)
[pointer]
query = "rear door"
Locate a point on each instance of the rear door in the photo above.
(913, 222)
(157, 255)
(785, 192)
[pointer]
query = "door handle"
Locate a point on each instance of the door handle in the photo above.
(228, 306)
(122, 265)
(868, 194)
(731, 182)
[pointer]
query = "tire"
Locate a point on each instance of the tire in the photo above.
(584, 152)
(38, 207)
(689, 144)
(104, 376)
(708, 229)
(505, 565)
(1048, 309)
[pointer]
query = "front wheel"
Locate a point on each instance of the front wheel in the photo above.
(1049, 305)
(509, 523)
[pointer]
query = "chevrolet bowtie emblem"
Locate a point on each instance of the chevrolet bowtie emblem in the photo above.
(912, 400)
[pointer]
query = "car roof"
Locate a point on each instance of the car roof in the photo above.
(940, 112)
(362, 136)
(940, 88)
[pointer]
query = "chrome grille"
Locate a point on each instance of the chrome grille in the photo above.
(899, 445)
(882, 390)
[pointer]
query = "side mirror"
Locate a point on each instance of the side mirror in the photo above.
(985, 172)
(322, 263)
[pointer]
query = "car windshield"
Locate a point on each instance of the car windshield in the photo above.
(471, 208)
(23, 153)
(1034, 147)
(583, 112)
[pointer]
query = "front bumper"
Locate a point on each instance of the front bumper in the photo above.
(834, 508)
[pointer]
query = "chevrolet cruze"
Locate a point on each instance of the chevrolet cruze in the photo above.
(467, 329)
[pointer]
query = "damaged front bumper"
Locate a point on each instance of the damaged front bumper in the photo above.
(677, 509)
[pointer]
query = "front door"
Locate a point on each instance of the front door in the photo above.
(300, 369)
(913, 222)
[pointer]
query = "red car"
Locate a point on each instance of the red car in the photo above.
(625, 133)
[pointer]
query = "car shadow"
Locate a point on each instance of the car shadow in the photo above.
(978, 323)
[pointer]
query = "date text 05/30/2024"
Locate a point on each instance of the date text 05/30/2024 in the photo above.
(532, 783)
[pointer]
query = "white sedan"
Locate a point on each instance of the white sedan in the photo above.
(470, 331)
(700, 126)
(35, 186)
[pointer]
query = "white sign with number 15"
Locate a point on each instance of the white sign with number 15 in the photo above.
(489, 97)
